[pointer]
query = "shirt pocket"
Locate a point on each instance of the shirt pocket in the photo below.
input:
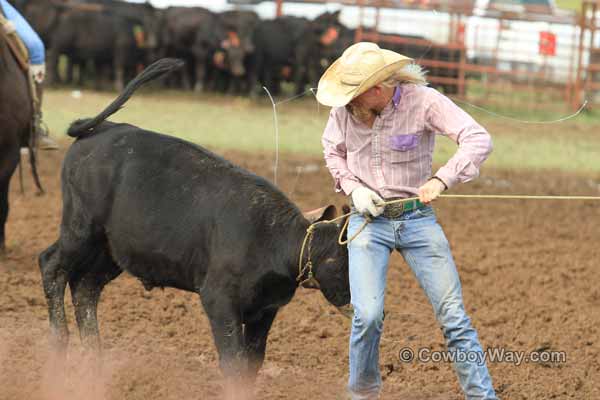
(404, 147)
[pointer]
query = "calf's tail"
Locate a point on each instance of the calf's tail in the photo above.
(83, 127)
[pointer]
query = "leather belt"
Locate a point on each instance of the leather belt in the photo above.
(396, 210)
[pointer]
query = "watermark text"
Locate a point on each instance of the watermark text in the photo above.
(490, 355)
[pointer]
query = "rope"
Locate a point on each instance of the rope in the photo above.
(276, 123)
(455, 196)
(301, 270)
(311, 229)
(563, 119)
(518, 197)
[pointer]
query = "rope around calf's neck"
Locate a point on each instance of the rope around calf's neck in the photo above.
(310, 230)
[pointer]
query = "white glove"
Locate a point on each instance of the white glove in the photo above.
(367, 201)
(38, 71)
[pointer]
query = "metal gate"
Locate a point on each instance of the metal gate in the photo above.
(519, 61)
(587, 85)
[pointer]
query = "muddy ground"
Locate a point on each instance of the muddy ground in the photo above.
(530, 273)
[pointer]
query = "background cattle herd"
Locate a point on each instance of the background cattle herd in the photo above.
(106, 42)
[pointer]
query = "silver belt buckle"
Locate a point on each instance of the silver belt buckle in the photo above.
(393, 211)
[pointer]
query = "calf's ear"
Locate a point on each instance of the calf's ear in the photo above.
(321, 214)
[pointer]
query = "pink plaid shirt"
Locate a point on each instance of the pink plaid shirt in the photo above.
(394, 157)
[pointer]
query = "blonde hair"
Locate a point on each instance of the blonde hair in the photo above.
(410, 73)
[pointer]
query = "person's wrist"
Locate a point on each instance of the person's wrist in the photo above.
(436, 178)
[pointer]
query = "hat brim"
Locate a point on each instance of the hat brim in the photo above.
(333, 92)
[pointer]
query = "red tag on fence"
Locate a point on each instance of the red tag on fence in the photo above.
(547, 44)
(460, 34)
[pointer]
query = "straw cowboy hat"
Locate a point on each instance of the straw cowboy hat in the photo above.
(362, 66)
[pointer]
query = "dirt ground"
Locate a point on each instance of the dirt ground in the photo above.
(530, 278)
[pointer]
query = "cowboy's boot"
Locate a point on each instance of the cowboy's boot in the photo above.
(43, 139)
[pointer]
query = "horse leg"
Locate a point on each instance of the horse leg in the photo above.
(7, 168)
(3, 214)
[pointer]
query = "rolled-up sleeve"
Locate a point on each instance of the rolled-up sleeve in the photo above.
(334, 150)
(474, 142)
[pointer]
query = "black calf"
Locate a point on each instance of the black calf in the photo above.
(174, 214)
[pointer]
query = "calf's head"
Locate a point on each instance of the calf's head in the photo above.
(329, 259)
(235, 52)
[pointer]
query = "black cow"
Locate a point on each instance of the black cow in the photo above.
(16, 113)
(275, 44)
(94, 37)
(233, 53)
(19, 5)
(296, 49)
(174, 214)
(215, 46)
(218, 53)
(323, 41)
(178, 38)
(243, 22)
(113, 36)
(44, 17)
(143, 18)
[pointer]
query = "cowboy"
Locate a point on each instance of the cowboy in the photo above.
(378, 145)
(37, 67)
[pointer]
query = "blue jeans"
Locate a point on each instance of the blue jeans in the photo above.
(30, 38)
(423, 244)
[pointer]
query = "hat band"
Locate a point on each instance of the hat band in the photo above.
(349, 83)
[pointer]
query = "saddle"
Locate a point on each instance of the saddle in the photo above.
(16, 45)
